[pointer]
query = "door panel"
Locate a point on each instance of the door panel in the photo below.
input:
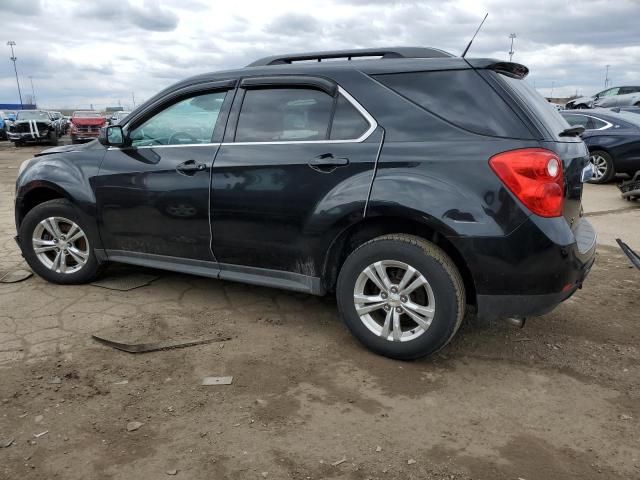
(147, 205)
(274, 207)
(153, 196)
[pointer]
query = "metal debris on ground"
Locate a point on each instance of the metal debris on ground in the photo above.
(342, 460)
(634, 258)
(15, 276)
(6, 443)
(217, 381)
(172, 472)
(41, 434)
(153, 347)
(133, 426)
(125, 282)
(411, 461)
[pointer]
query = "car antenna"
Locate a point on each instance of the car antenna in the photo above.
(474, 36)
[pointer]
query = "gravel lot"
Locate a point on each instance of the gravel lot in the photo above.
(559, 399)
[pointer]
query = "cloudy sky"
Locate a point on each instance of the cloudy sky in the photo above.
(80, 53)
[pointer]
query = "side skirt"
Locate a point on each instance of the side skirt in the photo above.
(223, 271)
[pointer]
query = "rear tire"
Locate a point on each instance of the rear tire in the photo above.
(384, 319)
(62, 258)
(604, 169)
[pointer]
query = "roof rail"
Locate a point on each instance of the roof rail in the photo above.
(390, 52)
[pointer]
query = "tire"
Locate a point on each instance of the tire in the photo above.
(53, 138)
(444, 292)
(18, 144)
(32, 227)
(603, 164)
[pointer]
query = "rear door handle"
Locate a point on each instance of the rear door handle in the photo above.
(327, 163)
(190, 167)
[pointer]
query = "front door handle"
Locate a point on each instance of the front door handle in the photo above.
(327, 163)
(190, 167)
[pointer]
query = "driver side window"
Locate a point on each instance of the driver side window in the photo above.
(188, 121)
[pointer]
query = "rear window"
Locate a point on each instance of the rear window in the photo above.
(545, 112)
(461, 97)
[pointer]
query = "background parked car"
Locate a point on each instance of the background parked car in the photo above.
(60, 123)
(117, 116)
(4, 121)
(613, 140)
(606, 98)
(86, 125)
(33, 126)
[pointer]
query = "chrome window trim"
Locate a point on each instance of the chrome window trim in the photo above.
(367, 116)
(608, 124)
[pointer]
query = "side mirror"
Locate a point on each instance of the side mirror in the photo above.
(112, 136)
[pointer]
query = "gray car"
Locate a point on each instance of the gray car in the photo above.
(611, 97)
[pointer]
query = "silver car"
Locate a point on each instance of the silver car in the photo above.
(608, 98)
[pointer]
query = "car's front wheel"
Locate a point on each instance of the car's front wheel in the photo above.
(57, 244)
(603, 169)
(401, 296)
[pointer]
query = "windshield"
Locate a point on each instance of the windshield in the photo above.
(86, 115)
(32, 115)
(545, 112)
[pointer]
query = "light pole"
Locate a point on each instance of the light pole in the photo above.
(33, 92)
(553, 84)
(511, 36)
(606, 76)
(11, 44)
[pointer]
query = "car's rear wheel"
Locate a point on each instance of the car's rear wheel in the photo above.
(57, 244)
(401, 296)
(603, 169)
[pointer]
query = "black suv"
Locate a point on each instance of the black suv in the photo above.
(410, 182)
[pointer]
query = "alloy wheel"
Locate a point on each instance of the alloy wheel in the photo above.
(394, 300)
(60, 245)
(599, 166)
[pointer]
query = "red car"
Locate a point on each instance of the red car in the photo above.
(86, 125)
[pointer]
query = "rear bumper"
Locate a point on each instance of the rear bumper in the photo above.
(531, 271)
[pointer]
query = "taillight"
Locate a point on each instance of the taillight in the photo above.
(534, 175)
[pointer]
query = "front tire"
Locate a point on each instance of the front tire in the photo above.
(401, 296)
(603, 167)
(53, 138)
(57, 245)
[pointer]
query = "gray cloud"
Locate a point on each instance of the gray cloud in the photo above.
(81, 52)
(21, 7)
(293, 24)
(148, 17)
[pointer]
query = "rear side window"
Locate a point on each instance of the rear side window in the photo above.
(546, 113)
(461, 97)
(578, 121)
(347, 121)
(284, 114)
(597, 123)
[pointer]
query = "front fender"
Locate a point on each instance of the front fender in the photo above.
(70, 175)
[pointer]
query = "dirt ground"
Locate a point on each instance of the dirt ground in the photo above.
(559, 399)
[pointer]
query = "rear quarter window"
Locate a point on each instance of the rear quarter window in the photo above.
(461, 97)
(537, 105)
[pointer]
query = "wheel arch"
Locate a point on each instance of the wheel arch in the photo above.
(371, 227)
(35, 195)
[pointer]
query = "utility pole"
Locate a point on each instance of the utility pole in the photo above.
(11, 44)
(511, 36)
(553, 84)
(606, 76)
(133, 99)
(33, 92)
